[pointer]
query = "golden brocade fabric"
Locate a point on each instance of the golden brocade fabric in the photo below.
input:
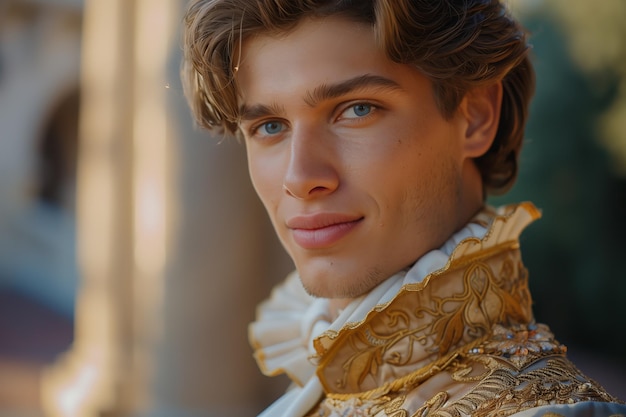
(457, 340)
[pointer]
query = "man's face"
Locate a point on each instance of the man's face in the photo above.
(359, 172)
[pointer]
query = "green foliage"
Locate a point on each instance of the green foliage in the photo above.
(574, 253)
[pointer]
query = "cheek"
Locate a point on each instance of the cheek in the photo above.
(265, 179)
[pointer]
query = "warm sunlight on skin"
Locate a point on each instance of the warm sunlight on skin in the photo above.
(359, 172)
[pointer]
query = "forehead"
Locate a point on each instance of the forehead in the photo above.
(312, 30)
(316, 51)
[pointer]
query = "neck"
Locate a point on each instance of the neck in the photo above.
(472, 198)
(336, 305)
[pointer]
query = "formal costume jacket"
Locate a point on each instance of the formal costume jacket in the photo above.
(453, 335)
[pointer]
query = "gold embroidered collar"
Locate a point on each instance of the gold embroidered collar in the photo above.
(427, 324)
(292, 331)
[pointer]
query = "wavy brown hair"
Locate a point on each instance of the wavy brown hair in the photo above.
(458, 44)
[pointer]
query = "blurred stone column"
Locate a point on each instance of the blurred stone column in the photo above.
(95, 376)
(174, 249)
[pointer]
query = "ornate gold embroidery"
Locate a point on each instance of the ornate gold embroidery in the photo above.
(504, 391)
(409, 381)
(471, 325)
(394, 407)
(524, 367)
(486, 299)
(359, 407)
(427, 327)
(520, 344)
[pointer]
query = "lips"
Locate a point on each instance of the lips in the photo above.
(321, 230)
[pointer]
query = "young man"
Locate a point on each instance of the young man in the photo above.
(374, 130)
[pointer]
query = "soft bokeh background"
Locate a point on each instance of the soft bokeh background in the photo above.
(573, 167)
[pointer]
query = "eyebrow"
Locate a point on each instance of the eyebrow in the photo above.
(327, 92)
(258, 110)
(321, 93)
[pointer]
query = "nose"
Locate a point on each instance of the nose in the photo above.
(311, 170)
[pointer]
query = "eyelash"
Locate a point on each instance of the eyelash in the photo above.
(373, 109)
(254, 129)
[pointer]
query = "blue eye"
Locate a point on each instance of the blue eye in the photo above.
(272, 128)
(362, 109)
(358, 110)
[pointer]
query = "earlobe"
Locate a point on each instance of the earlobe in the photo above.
(481, 109)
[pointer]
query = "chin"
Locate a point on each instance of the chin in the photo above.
(316, 289)
(342, 286)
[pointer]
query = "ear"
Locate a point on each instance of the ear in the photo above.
(481, 109)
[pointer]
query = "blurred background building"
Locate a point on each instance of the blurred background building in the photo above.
(132, 248)
(39, 104)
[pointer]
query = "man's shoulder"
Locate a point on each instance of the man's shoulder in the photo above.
(528, 377)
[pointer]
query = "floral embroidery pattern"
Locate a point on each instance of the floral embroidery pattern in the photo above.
(485, 300)
(520, 344)
(424, 326)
